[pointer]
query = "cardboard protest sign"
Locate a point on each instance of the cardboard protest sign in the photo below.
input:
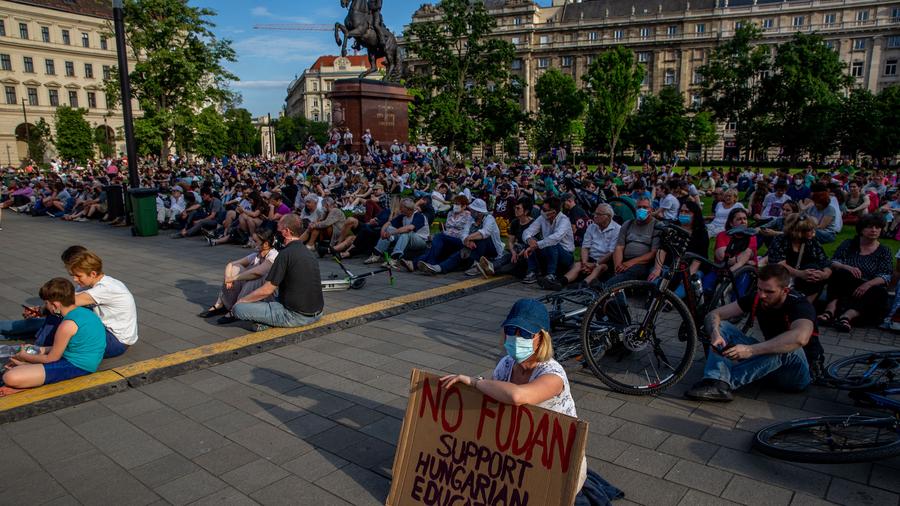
(460, 447)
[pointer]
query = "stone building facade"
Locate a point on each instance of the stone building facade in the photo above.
(54, 53)
(306, 95)
(674, 37)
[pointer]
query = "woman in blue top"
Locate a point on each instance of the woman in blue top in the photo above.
(78, 345)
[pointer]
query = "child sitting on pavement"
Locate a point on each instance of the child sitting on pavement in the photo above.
(78, 344)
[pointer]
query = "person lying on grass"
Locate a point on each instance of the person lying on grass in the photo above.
(78, 344)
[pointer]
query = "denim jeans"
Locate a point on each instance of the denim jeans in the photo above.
(825, 236)
(43, 330)
(22, 329)
(787, 371)
(638, 272)
(442, 246)
(272, 314)
(400, 243)
(555, 260)
(483, 247)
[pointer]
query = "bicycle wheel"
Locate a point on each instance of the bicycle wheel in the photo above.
(726, 293)
(631, 339)
(831, 439)
(864, 371)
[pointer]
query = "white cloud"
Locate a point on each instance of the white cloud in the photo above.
(283, 48)
(261, 12)
(264, 12)
(259, 85)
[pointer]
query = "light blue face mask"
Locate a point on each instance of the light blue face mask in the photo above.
(519, 348)
(684, 219)
(642, 214)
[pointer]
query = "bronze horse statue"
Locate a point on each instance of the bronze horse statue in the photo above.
(358, 25)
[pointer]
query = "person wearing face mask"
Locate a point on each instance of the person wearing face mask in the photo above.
(528, 374)
(78, 343)
(597, 248)
(690, 218)
(482, 242)
(448, 242)
(555, 247)
(636, 245)
(798, 191)
(295, 274)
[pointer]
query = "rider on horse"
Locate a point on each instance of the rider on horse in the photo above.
(377, 22)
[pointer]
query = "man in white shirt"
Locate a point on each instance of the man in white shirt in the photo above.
(597, 248)
(773, 201)
(555, 247)
(668, 205)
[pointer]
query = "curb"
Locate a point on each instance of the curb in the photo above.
(108, 382)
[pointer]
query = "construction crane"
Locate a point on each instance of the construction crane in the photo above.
(295, 26)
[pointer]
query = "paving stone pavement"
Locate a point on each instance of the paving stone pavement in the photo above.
(317, 423)
(172, 280)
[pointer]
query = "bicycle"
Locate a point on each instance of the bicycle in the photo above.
(872, 381)
(565, 309)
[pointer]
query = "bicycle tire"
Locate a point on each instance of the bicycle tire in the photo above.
(888, 371)
(723, 296)
(834, 427)
(589, 327)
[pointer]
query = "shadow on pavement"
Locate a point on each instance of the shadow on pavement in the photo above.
(197, 291)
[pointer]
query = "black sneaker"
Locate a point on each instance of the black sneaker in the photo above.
(550, 282)
(709, 389)
(530, 278)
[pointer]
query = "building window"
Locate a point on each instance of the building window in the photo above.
(566, 61)
(50, 66)
(70, 69)
(29, 64)
(856, 70)
(829, 19)
(92, 100)
(593, 36)
(696, 77)
(590, 60)
(54, 98)
(543, 63)
(893, 41)
(762, 75)
(103, 44)
(895, 17)
(544, 40)
(731, 126)
(700, 28)
(619, 34)
(829, 44)
(11, 95)
(23, 30)
(316, 117)
(646, 80)
(106, 72)
(65, 36)
(2, 28)
(890, 68)
(859, 44)
(516, 41)
(5, 62)
(669, 78)
(645, 33)
(768, 23)
(671, 30)
(45, 34)
(73, 98)
(517, 21)
(738, 25)
(89, 70)
(862, 16)
(798, 21)
(516, 64)
(315, 102)
(32, 96)
(696, 100)
(643, 57)
(85, 40)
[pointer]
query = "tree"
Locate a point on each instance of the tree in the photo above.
(179, 65)
(802, 95)
(242, 136)
(74, 139)
(291, 134)
(860, 122)
(888, 139)
(38, 138)
(560, 103)
(661, 122)
(614, 83)
(210, 134)
(731, 81)
(464, 93)
(703, 132)
(104, 143)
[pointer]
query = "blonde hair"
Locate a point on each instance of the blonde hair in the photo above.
(85, 262)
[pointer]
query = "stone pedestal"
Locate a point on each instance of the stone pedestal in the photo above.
(381, 107)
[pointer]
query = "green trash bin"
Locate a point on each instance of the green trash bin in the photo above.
(143, 207)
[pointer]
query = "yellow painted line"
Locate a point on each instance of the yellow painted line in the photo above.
(58, 389)
(254, 338)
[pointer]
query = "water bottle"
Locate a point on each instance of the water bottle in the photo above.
(32, 350)
(697, 286)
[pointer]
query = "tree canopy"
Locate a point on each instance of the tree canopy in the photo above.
(614, 84)
(74, 139)
(560, 103)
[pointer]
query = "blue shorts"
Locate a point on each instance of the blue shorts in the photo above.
(61, 370)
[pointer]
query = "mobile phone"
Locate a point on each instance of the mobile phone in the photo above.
(720, 350)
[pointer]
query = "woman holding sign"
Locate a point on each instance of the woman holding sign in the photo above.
(529, 375)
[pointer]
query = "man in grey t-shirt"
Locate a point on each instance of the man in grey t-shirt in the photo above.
(637, 245)
(215, 213)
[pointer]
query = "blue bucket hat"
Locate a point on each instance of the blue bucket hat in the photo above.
(529, 315)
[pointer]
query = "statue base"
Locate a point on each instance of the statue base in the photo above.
(381, 107)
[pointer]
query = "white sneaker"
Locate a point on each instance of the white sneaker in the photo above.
(373, 259)
(472, 271)
(485, 267)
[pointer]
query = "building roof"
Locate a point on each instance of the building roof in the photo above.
(599, 9)
(355, 61)
(94, 8)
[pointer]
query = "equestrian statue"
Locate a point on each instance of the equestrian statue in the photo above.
(366, 26)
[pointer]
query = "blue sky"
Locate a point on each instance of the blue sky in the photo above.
(268, 59)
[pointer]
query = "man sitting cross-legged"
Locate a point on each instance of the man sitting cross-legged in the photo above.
(788, 324)
(78, 344)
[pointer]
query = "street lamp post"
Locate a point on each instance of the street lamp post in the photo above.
(27, 132)
(131, 151)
